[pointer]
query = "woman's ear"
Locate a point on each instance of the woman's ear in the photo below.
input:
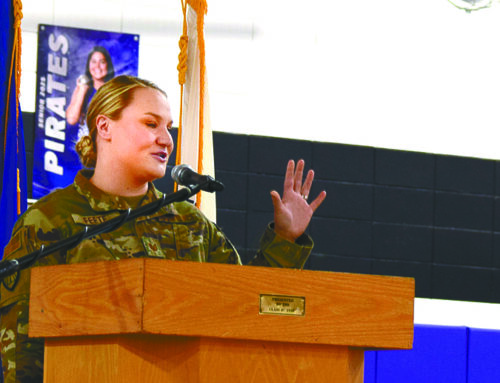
(103, 127)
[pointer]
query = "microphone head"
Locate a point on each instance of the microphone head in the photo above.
(184, 175)
(178, 172)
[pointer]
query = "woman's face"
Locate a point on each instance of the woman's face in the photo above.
(98, 66)
(140, 140)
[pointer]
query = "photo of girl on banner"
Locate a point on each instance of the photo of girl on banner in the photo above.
(98, 70)
(73, 64)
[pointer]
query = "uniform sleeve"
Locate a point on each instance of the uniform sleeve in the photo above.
(276, 251)
(22, 357)
(221, 250)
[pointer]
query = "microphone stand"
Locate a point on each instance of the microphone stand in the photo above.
(9, 267)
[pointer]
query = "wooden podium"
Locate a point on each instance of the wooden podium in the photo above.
(148, 320)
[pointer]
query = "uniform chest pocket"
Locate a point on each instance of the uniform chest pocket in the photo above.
(190, 241)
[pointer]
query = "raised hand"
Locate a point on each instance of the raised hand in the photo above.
(292, 213)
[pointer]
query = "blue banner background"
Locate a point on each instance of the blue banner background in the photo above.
(66, 49)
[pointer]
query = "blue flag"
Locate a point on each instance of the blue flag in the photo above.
(13, 200)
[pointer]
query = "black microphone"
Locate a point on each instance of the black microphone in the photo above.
(184, 175)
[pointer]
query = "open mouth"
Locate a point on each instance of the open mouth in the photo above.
(161, 155)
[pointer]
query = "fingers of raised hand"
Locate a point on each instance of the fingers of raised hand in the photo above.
(299, 171)
(318, 201)
(306, 187)
(289, 176)
(294, 182)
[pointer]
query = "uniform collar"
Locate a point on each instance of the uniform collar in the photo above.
(102, 201)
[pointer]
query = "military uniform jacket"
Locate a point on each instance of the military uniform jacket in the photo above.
(178, 231)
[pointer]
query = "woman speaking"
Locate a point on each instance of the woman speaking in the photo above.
(128, 147)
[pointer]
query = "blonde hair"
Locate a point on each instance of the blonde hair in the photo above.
(109, 101)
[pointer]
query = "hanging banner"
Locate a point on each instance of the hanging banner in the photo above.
(72, 65)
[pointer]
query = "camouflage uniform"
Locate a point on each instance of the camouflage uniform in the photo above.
(177, 231)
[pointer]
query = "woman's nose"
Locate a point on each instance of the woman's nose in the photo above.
(165, 139)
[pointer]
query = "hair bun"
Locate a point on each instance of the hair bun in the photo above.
(86, 151)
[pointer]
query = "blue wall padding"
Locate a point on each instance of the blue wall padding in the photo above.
(484, 356)
(370, 367)
(439, 355)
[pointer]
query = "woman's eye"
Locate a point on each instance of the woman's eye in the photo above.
(151, 124)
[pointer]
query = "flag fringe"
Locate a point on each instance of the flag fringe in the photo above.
(182, 69)
(200, 7)
(15, 69)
